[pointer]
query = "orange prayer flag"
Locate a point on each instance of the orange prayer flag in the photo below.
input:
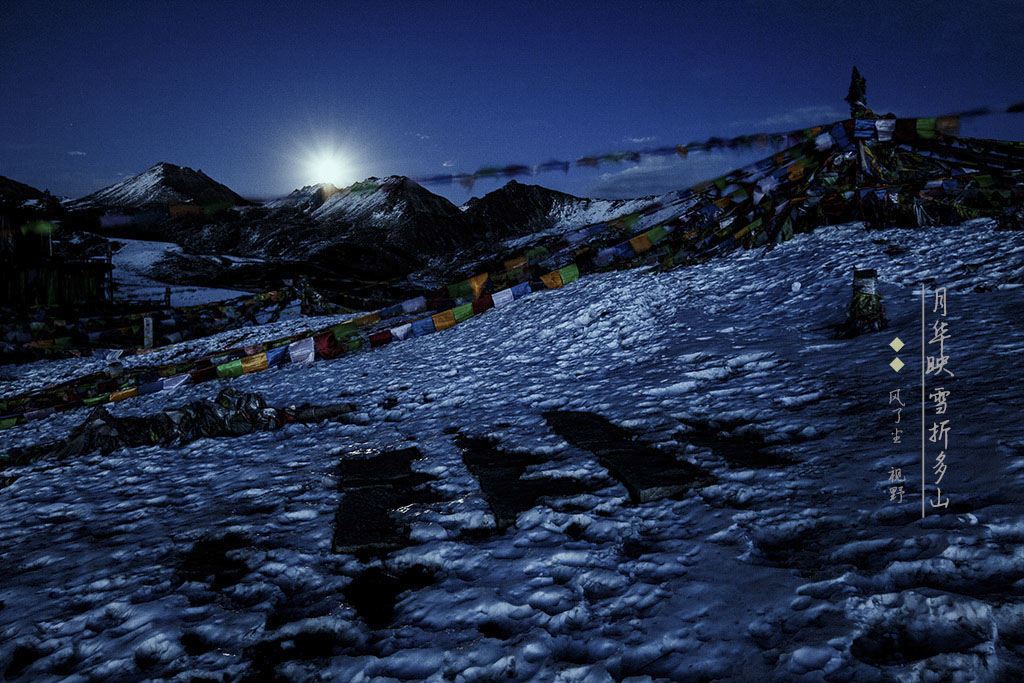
(640, 243)
(477, 283)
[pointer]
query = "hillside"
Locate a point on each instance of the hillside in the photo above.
(520, 544)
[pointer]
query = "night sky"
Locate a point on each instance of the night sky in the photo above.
(94, 92)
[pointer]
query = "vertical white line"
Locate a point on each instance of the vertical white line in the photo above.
(922, 400)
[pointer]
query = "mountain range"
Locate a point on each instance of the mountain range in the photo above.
(377, 228)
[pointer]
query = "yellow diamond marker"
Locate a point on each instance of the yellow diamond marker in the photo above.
(896, 344)
(896, 364)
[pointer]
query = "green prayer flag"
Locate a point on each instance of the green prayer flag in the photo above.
(569, 273)
(787, 230)
(344, 330)
(8, 422)
(536, 253)
(460, 290)
(232, 369)
(926, 128)
(656, 234)
(38, 228)
(364, 187)
(463, 312)
(631, 220)
(96, 400)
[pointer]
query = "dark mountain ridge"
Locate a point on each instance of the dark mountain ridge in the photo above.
(13, 191)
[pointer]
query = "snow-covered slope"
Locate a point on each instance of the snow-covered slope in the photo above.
(785, 560)
(163, 184)
(135, 259)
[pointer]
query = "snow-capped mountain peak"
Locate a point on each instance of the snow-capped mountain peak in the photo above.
(162, 183)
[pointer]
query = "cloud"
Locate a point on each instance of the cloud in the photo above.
(659, 175)
(640, 140)
(76, 153)
(448, 164)
(802, 116)
(422, 136)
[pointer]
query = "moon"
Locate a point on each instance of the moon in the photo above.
(327, 165)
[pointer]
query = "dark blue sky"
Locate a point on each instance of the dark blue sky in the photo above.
(93, 92)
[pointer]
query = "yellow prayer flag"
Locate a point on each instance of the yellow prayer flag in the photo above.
(444, 320)
(368, 319)
(254, 363)
(123, 394)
